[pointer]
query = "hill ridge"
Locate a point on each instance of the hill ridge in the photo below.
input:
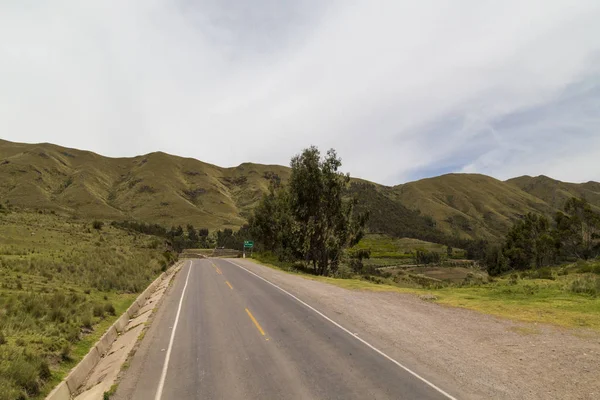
(172, 190)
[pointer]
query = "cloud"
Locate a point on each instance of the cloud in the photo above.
(401, 90)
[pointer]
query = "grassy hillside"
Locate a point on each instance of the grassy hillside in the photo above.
(157, 187)
(556, 193)
(469, 205)
(63, 284)
(170, 190)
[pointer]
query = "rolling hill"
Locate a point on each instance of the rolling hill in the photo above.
(556, 193)
(170, 190)
(472, 205)
(156, 187)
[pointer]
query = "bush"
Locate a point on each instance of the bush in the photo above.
(98, 310)
(87, 321)
(514, 278)
(97, 225)
(586, 284)
(8, 391)
(110, 309)
(542, 273)
(2, 338)
(44, 371)
(65, 352)
(589, 268)
(427, 257)
(530, 290)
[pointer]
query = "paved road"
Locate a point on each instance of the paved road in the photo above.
(239, 337)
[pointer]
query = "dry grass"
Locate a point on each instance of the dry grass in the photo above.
(63, 284)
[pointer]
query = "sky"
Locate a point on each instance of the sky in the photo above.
(401, 89)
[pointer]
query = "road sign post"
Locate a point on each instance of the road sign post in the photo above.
(248, 244)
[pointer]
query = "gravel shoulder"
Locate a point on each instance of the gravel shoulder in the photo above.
(474, 355)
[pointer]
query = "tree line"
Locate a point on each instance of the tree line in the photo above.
(536, 241)
(179, 238)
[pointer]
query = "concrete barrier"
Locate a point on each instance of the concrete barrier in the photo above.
(82, 370)
(106, 340)
(61, 392)
(122, 323)
(133, 308)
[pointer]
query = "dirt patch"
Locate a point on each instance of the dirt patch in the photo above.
(472, 355)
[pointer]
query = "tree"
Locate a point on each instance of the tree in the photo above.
(530, 243)
(203, 232)
(323, 219)
(312, 218)
(192, 235)
(495, 261)
(423, 256)
(577, 231)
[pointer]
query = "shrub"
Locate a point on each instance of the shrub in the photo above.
(86, 320)
(65, 352)
(530, 290)
(97, 225)
(24, 373)
(110, 309)
(586, 284)
(589, 268)
(542, 273)
(8, 391)
(2, 338)
(98, 310)
(427, 257)
(44, 371)
(514, 278)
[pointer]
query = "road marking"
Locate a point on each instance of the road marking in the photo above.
(163, 375)
(348, 332)
(229, 284)
(255, 322)
(216, 268)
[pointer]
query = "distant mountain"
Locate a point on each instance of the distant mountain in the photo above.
(170, 190)
(477, 206)
(556, 193)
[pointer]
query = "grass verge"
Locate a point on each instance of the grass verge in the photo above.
(63, 283)
(549, 301)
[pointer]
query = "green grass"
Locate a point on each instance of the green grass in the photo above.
(388, 248)
(529, 300)
(63, 284)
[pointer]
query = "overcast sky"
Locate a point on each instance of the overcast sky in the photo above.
(402, 90)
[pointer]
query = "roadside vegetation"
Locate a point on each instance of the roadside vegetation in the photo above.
(64, 281)
(542, 271)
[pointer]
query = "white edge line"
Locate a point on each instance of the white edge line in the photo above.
(163, 375)
(349, 333)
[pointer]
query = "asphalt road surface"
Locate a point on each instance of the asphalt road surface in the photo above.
(225, 333)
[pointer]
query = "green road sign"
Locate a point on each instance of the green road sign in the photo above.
(248, 243)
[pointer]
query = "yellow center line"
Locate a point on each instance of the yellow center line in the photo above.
(216, 268)
(255, 322)
(229, 284)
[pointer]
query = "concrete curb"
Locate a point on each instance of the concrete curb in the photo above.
(82, 370)
(77, 376)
